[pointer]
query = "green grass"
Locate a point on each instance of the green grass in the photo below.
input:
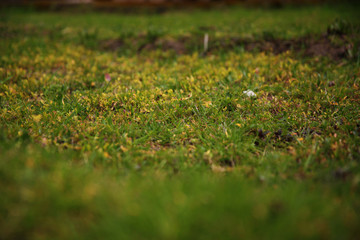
(170, 147)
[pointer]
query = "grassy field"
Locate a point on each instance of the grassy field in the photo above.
(119, 126)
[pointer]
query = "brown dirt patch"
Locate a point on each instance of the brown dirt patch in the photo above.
(309, 46)
(176, 45)
(305, 46)
(111, 44)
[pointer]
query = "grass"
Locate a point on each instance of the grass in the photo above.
(152, 144)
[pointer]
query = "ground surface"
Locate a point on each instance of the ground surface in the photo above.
(120, 126)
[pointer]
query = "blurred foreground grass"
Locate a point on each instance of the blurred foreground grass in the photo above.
(47, 196)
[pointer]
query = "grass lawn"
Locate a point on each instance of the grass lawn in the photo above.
(119, 126)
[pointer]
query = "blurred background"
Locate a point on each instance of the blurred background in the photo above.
(115, 3)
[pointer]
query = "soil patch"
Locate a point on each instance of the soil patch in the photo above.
(309, 46)
(112, 44)
(306, 46)
(166, 44)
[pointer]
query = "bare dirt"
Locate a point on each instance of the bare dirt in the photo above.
(306, 46)
(309, 46)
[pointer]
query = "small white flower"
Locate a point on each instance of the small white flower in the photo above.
(249, 93)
